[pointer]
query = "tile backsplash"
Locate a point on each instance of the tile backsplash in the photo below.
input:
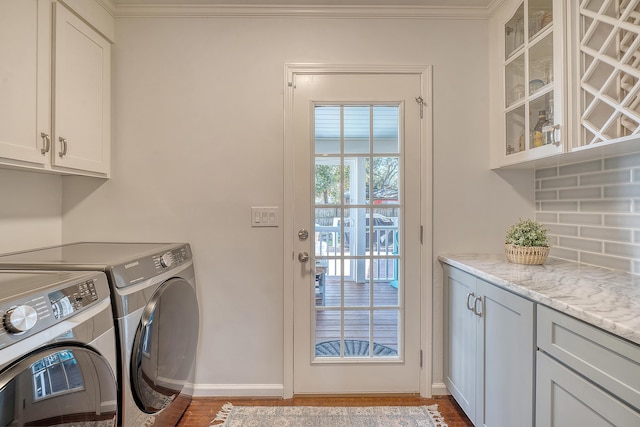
(592, 211)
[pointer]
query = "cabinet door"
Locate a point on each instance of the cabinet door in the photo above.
(25, 80)
(460, 339)
(565, 399)
(528, 53)
(82, 94)
(508, 342)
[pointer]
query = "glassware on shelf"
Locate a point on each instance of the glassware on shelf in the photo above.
(535, 85)
(540, 13)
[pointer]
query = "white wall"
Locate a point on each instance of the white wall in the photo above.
(198, 139)
(30, 210)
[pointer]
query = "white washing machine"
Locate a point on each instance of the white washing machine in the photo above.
(156, 315)
(57, 350)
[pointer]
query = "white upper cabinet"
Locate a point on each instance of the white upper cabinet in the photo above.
(82, 92)
(528, 85)
(566, 81)
(25, 81)
(55, 88)
(606, 69)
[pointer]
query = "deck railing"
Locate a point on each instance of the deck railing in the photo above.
(383, 258)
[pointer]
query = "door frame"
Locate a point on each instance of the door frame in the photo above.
(291, 70)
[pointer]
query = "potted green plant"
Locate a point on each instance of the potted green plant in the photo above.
(526, 242)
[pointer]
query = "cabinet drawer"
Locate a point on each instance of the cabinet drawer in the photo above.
(564, 398)
(605, 359)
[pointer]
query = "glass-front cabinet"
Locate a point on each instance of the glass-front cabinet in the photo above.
(528, 109)
(566, 79)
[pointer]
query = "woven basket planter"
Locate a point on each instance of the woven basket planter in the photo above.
(532, 255)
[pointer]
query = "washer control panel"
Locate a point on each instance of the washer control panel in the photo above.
(67, 301)
(24, 316)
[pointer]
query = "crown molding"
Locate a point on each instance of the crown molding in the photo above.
(293, 11)
(108, 5)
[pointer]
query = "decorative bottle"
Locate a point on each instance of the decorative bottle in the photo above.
(538, 137)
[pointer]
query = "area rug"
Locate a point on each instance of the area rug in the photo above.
(329, 416)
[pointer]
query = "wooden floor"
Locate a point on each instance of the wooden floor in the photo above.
(204, 409)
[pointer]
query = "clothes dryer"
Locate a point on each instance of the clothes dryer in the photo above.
(156, 314)
(57, 350)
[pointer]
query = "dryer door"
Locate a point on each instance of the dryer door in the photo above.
(164, 348)
(58, 385)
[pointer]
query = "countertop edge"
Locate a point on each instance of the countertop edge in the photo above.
(556, 302)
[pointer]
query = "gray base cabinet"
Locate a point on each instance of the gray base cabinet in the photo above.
(489, 351)
(585, 376)
(566, 399)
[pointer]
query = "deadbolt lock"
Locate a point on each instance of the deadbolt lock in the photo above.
(303, 234)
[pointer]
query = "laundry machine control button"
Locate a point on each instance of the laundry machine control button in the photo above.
(166, 260)
(20, 319)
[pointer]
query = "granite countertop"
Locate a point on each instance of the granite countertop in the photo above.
(605, 298)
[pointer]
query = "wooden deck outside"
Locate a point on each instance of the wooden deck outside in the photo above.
(357, 298)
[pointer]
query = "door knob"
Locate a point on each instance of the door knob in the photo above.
(303, 257)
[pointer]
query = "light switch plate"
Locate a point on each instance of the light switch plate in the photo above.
(264, 216)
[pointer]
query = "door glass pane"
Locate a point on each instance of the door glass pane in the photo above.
(327, 129)
(328, 327)
(328, 190)
(356, 333)
(385, 180)
(386, 138)
(357, 129)
(356, 180)
(386, 331)
(357, 218)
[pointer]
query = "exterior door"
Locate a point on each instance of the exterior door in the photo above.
(357, 232)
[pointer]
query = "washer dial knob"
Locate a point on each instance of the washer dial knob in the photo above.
(166, 260)
(20, 319)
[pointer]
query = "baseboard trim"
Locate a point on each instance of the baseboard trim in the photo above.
(238, 390)
(439, 389)
(268, 390)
